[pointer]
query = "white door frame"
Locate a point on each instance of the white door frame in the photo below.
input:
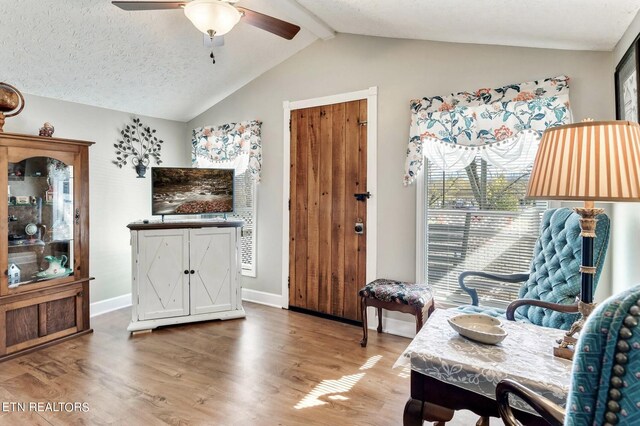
(371, 95)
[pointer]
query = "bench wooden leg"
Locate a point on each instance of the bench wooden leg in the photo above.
(363, 306)
(418, 320)
(379, 320)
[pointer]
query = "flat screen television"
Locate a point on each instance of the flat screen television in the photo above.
(182, 190)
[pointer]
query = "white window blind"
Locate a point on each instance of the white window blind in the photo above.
(478, 219)
(245, 209)
(245, 203)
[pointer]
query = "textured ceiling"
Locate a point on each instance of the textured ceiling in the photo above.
(561, 24)
(151, 63)
(154, 63)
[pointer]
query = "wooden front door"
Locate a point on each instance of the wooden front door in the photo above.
(327, 257)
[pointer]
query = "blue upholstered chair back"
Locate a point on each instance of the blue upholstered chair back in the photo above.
(555, 267)
(605, 388)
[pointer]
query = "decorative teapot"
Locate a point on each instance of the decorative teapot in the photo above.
(56, 265)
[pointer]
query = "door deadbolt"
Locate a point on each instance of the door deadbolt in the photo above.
(359, 228)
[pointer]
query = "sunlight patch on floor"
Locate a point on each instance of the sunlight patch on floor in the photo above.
(338, 398)
(405, 372)
(328, 387)
(371, 362)
(333, 388)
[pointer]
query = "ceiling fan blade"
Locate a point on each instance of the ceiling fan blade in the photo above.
(269, 23)
(148, 5)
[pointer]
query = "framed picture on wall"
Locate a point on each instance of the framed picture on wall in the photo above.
(627, 77)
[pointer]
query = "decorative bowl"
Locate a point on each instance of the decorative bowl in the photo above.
(44, 275)
(479, 327)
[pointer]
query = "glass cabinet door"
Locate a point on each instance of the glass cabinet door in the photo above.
(41, 221)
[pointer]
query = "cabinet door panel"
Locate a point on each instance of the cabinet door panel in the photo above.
(214, 263)
(61, 314)
(163, 285)
(31, 322)
(24, 325)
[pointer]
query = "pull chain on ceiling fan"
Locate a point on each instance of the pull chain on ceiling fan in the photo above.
(216, 17)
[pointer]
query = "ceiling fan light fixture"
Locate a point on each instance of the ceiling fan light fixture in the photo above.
(214, 15)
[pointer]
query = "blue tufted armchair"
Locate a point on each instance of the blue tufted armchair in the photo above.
(605, 389)
(550, 288)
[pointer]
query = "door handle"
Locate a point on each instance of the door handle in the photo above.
(192, 272)
(362, 196)
(186, 272)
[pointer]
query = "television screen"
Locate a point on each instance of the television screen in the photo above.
(177, 190)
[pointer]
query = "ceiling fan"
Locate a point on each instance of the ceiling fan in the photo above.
(216, 17)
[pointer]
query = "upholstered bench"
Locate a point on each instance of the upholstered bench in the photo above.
(410, 298)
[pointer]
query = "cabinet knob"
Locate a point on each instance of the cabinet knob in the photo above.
(192, 271)
(186, 272)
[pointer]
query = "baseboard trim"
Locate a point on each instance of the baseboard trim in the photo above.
(119, 302)
(108, 305)
(391, 325)
(399, 327)
(262, 298)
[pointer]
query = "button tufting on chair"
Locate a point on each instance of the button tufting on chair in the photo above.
(554, 274)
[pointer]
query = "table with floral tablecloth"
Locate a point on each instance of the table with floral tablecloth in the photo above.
(525, 355)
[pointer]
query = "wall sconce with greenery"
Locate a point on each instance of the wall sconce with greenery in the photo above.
(138, 145)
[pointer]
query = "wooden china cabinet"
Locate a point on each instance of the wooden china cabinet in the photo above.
(44, 241)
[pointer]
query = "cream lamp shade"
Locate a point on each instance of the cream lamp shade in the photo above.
(212, 15)
(588, 161)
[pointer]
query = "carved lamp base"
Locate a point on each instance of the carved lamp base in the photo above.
(566, 345)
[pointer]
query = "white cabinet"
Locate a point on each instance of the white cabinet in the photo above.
(213, 259)
(184, 272)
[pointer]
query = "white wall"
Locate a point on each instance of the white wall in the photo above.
(117, 196)
(625, 241)
(402, 70)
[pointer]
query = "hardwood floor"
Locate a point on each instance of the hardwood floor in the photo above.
(275, 367)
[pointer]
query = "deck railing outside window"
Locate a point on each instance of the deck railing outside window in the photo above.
(478, 219)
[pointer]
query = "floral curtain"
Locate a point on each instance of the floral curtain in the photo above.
(501, 125)
(235, 145)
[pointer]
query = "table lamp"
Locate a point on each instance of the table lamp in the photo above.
(588, 161)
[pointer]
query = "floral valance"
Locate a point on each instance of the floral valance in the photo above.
(450, 131)
(234, 145)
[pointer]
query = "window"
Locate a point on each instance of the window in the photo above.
(478, 219)
(245, 209)
(473, 152)
(237, 146)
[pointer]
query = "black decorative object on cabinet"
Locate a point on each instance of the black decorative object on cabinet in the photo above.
(140, 145)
